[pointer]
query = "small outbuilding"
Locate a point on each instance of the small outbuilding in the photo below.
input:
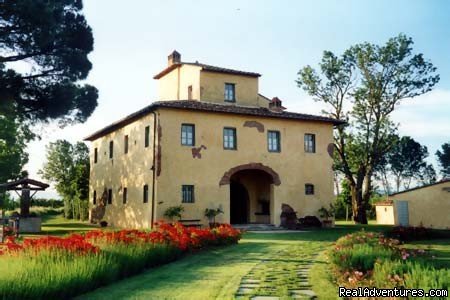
(385, 212)
(427, 206)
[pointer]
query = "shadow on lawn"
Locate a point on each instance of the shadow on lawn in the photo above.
(197, 270)
(315, 235)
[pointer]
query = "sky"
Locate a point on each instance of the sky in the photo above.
(132, 40)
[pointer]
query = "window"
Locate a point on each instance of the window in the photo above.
(125, 195)
(309, 189)
(95, 155)
(273, 141)
(229, 92)
(110, 196)
(147, 136)
(187, 135)
(125, 142)
(229, 138)
(190, 92)
(94, 198)
(310, 143)
(111, 149)
(187, 192)
(145, 196)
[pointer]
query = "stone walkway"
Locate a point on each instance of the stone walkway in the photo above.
(283, 275)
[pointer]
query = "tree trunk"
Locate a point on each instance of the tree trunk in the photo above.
(358, 205)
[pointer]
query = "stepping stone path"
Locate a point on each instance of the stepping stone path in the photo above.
(283, 275)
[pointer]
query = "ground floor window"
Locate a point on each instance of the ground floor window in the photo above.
(110, 196)
(309, 189)
(187, 194)
(145, 196)
(125, 195)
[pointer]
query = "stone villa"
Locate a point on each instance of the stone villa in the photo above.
(211, 141)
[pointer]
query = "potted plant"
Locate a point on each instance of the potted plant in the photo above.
(173, 212)
(211, 214)
(327, 214)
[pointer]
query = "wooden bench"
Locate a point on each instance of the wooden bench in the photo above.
(191, 223)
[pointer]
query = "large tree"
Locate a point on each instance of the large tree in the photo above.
(406, 161)
(444, 159)
(43, 55)
(363, 86)
(67, 165)
(13, 138)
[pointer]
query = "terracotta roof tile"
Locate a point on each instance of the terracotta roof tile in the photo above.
(201, 106)
(208, 68)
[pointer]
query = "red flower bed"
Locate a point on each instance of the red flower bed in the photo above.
(184, 238)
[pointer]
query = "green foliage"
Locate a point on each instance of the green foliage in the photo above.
(444, 159)
(52, 40)
(212, 213)
(174, 212)
(363, 86)
(410, 274)
(406, 161)
(361, 257)
(13, 138)
(7, 202)
(327, 213)
(61, 276)
(369, 259)
(67, 166)
(343, 200)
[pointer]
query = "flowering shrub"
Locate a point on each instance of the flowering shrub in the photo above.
(370, 259)
(63, 267)
(177, 235)
(410, 233)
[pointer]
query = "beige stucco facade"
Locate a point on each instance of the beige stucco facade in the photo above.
(267, 178)
(428, 206)
(385, 214)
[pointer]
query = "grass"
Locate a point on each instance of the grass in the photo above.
(58, 225)
(217, 273)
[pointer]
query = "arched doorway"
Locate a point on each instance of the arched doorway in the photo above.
(239, 203)
(251, 197)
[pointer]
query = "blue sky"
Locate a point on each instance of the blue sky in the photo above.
(274, 38)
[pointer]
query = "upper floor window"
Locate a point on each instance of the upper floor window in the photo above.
(94, 198)
(125, 144)
(273, 141)
(145, 195)
(230, 92)
(111, 149)
(229, 138)
(309, 189)
(147, 136)
(190, 92)
(125, 195)
(110, 196)
(310, 143)
(95, 155)
(187, 194)
(187, 134)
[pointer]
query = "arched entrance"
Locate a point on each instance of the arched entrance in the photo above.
(251, 193)
(239, 203)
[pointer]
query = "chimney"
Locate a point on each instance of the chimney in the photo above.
(174, 58)
(275, 105)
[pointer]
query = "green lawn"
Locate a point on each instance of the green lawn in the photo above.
(217, 274)
(58, 225)
(269, 258)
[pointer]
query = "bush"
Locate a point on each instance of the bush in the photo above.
(63, 267)
(410, 233)
(370, 259)
(360, 257)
